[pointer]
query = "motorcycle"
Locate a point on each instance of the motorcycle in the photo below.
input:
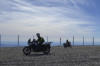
(67, 45)
(45, 48)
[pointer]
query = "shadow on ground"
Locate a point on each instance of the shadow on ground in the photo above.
(39, 54)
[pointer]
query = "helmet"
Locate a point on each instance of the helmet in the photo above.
(38, 34)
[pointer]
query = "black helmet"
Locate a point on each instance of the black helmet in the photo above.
(38, 34)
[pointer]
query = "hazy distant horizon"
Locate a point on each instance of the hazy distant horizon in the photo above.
(15, 44)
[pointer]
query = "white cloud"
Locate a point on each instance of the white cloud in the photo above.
(52, 21)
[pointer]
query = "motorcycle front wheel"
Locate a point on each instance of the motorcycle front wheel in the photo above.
(26, 50)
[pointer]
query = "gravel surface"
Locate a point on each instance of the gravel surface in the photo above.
(59, 56)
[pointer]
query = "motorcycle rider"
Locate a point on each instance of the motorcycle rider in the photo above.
(40, 39)
(68, 43)
(29, 41)
(39, 47)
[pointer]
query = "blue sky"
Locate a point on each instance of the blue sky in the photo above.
(53, 18)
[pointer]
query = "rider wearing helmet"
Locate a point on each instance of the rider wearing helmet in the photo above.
(40, 39)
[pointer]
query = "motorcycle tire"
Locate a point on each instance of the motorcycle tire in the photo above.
(26, 50)
(47, 51)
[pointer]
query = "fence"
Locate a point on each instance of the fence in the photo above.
(59, 42)
(83, 41)
(0, 40)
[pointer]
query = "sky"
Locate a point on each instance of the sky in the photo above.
(52, 18)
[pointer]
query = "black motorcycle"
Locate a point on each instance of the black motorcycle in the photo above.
(67, 45)
(45, 48)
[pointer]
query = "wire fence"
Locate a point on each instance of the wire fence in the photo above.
(20, 40)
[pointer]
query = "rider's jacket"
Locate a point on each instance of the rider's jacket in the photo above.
(41, 40)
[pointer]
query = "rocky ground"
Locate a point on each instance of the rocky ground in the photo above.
(59, 56)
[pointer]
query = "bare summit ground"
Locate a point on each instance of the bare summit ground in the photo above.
(59, 56)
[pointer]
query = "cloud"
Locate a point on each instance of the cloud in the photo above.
(53, 18)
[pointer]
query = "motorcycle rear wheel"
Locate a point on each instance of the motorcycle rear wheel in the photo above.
(47, 51)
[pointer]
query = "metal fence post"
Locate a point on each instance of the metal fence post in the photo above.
(47, 38)
(60, 41)
(18, 40)
(93, 40)
(83, 40)
(73, 40)
(0, 40)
